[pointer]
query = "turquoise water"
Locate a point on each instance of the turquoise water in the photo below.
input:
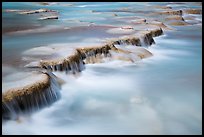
(158, 95)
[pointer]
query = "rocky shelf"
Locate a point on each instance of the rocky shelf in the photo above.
(44, 88)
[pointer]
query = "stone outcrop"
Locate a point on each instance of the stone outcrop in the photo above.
(162, 7)
(44, 3)
(146, 36)
(126, 54)
(121, 30)
(36, 11)
(156, 32)
(193, 11)
(129, 40)
(127, 27)
(178, 23)
(138, 21)
(168, 18)
(75, 62)
(169, 12)
(48, 17)
(28, 97)
(33, 96)
(160, 24)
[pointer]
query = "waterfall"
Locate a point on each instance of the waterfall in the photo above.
(36, 97)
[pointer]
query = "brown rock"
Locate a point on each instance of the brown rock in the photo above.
(29, 96)
(193, 11)
(35, 11)
(160, 24)
(162, 7)
(127, 27)
(48, 17)
(174, 18)
(138, 21)
(178, 23)
(170, 12)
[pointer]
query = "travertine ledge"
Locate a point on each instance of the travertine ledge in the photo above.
(75, 63)
(28, 97)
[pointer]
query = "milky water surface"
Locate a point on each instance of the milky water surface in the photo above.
(158, 95)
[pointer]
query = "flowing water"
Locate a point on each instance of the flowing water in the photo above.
(157, 95)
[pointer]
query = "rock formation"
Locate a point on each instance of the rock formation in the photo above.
(193, 11)
(36, 90)
(44, 90)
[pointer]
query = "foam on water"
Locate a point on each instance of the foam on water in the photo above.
(105, 102)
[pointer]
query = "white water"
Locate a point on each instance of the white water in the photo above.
(117, 98)
(158, 95)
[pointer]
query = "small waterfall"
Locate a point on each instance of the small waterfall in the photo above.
(169, 12)
(75, 63)
(156, 32)
(148, 39)
(36, 97)
(129, 41)
(72, 64)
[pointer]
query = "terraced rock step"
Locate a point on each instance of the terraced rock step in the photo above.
(46, 13)
(174, 18)
(30, 11)
(48, 17)
(168, 12)
(31, 91)
(36, 90)
(193, 11)
(74, 63)
(178, 23)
